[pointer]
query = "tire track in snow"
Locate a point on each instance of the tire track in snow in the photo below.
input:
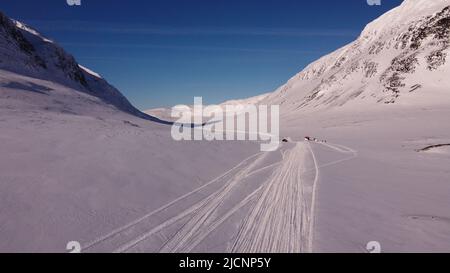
(210, 228)
(285, 191)
(199, 237)
(202, 212)
(281, 219)
(196, 237)
(134, 223)
(341, 149)
(313, 201)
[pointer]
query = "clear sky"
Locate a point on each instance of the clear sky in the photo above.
(165, 52)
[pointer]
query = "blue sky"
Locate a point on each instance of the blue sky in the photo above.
(165, 52)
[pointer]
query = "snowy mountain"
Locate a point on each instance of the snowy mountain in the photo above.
(165, 113)
(251, 100)
(24, 52)
(400, 58)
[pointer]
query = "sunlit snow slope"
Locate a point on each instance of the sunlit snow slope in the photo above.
(400, 58)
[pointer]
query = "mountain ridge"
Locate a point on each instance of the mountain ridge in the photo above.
(381, 65)
(25, 51)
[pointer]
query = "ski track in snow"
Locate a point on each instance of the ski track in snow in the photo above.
(202, 211)
(313, 201)
(145, 217)
(279, 221)
(200, 234)
(281, 217)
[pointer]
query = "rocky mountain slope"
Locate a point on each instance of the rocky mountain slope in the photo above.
(400, 58)
(25, 52)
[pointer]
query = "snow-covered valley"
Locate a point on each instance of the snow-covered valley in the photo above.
(79, 163)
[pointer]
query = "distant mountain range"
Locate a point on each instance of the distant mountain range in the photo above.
(400, 58)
